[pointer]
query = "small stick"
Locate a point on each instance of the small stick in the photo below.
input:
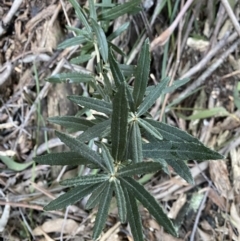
(231, 15)
(163, 38)
(198, 215)
(210, 70)
(16, 4)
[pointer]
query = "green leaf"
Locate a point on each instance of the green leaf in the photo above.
(80, 14)
(92, 9)
(149, 202)
(142, 74)
(82, 149)
(78, 31)
(15, 166)
(109, 162)
(115, 12)
(128, 70)
(119, 30)
(164, 166)
(116, 72)
(133, 216)
(101, 40)
(172, 133)
(100, 130)
(236, 98)
(92, 103)
(121, 201)
(74, 77)
(203, 114)
(152, 97)
(63, 158)
(150, 129)
(102, 214)
(116, 48)
(71, 122)
(130, 99)
(108, 85)
(176, 84)
(85, 180)
(81, 59)
(181, 169)
(179, 151)
(70, 197)
(135, 143)
(119, 123)
(77, 40)
(95, 197)
(139, 168)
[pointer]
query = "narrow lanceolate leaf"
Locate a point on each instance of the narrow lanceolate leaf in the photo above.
(78, 31)
(130, 99)
(92, 9)
(150, 129)
(70, 77)
(81, 59)
(82, 149)
(107, 158)
(176, 84)
(152, 97)
(133, 216)
(72, 122)
(121, 201)
(116, 48)
(181, 169)
(119, 10)
(172, 133)
(149, 202)
(101, 40)
(70, 197)
(63, 158)
(119, 30)
(95, 197)
(139, 168)
(179, 151)
(119, 123)
(92, 103)
(80, 14)
(107, 84)
(142, 74)
(101, 129)
(102, 214)
(116, 72)
(135, 143)
(85, 180)
(72, 42)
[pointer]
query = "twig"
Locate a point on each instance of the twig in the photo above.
(26, 223)
(210, 55)
(64, 223)
(231, 15)
(221, 17)
(5, 72)
(210, 70)
(16, 4)
(163, 38)
(198, 215)
(174, 70)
